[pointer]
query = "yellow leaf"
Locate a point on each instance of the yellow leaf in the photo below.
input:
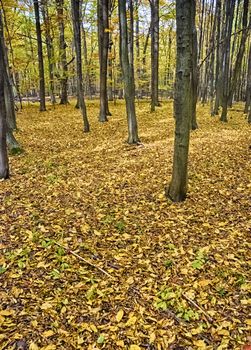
(48, 333)
(49, 347)
(33, 346)
(119, 315)
(46, 306)
(152, 338)
(248, 321)
(200, 344)
(204, 283)
(223, 332)
(131, 321)
(93, 328)
(134, 347)
(120, 343)
(6, 312)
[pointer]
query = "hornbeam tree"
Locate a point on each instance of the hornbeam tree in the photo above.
(40, 57)
(4, 164)
(75, 6)
(127, 71)
(183, 101)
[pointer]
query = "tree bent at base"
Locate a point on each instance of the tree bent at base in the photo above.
(185, 12)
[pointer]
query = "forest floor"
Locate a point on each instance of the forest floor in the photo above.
(178, 274)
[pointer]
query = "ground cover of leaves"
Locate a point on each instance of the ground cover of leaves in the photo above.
(180, 272)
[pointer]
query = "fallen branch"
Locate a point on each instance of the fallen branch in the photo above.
(83, 259)
(198, 307)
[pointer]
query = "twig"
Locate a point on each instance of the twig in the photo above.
(198, 307)
(83, 259)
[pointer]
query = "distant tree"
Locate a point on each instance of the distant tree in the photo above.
(75, 6)
(127, 72)
(185, 12)
(227, 31)
(62, 52)
(40, 57)
(49, 47)
(4, 164)
(154, 53)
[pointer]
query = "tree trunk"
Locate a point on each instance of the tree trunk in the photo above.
(4, 164)
(240, 54)
(185, 12)
(62, 53)
(103, 41)
(230, 5)
(248, 89)
(218, 65)
(154, 53)
(195, 74)
(49, 47)
(75, 5)
(129, 86)
(40, 58)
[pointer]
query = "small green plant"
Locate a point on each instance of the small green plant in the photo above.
(199, 261)
(221, 291)
(2, 269)
(55, 274)
(120, 226)
(46, 243)
(168, 263)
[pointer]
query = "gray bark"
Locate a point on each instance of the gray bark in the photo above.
(185, 12)
(129, 86)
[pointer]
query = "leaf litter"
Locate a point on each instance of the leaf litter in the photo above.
(178, 275)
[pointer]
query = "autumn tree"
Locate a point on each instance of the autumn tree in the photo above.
(62, 53)
(4, 164)
(154, 53)
(76, 10)
(103, 42)
(40, 57)
(185, 12)
(127, 71)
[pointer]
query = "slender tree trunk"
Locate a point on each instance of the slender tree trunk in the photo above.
(144, 75)
(154, 54)
(230, 5)
(240, 54)
(75, 5)
(248, 89)
(62, 53)
(103, 41)
(218, 70)
(40, 58)
(4, 164)
(195, 73)
(185, 12)
(49, 47)
(129, 86)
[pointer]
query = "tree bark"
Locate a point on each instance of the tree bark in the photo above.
(49, 47)
(185, 12)
(4, 164)
(40, 58)
(154, 54)
(103, 42)
(62, 53)
(129, 86)
(230, 5)
(75, 5)
(248, 89)
(240, 54)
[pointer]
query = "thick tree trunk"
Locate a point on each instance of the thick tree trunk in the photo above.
(40, 58)
(154, 54)
(129, 86)
(103, 41)
(185, 12)
(49, 47)
(62, 53)
(195, 74)
(4, 164)
(75, 4)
